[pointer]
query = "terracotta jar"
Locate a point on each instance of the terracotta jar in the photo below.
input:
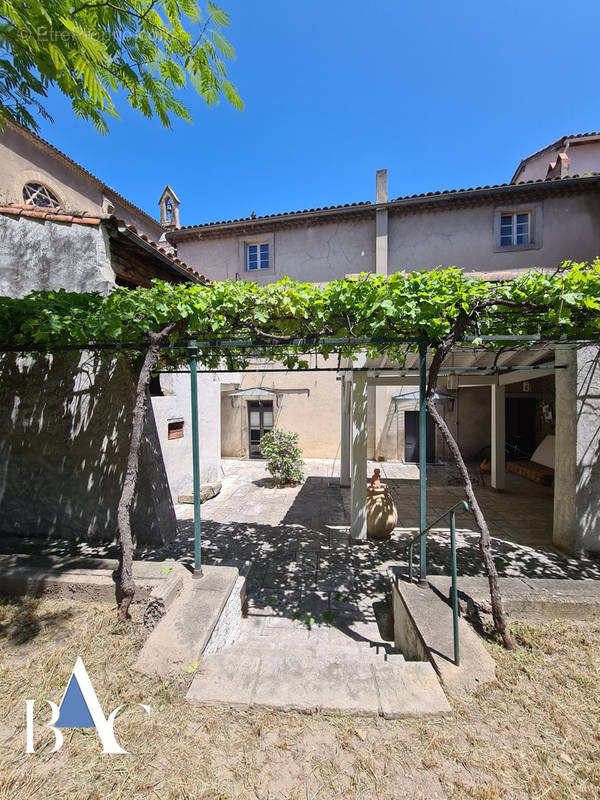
(381, 512)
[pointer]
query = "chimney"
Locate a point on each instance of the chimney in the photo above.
(381, 186)
(381, 223)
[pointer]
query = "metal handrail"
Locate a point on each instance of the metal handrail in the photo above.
(452, 513)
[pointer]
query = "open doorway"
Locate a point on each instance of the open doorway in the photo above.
(520, 428)
(411, 438)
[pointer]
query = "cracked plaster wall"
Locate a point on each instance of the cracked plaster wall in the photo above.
(312, 253)
(463, 237)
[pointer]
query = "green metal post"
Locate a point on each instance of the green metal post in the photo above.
(454, 590)
(422, 459)
(193, 353)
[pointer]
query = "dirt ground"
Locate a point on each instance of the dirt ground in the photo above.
(535, 733)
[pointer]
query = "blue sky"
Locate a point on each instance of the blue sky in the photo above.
(442, 94)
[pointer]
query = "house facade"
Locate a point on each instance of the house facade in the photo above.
(493, 232)
(547, 214)
(62, 228)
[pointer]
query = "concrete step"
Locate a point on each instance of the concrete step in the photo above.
(300, 681)
(376, 655)
(423, 629)
(537, 598)
(184, 632)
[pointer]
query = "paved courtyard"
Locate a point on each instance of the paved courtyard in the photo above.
(296, 538)
(317, 634)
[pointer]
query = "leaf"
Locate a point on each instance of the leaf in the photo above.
(141, 50)
(166, 570)
(192, 667)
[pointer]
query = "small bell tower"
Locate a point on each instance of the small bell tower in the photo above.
(169, 209)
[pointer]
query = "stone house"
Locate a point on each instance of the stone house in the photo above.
(61, 228)
(548, 213)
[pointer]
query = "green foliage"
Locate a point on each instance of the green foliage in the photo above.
(566, 303)
(284, 457)
(93, 50)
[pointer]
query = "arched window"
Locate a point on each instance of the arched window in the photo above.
(36, 194)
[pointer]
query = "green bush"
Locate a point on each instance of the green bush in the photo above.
(284, 457)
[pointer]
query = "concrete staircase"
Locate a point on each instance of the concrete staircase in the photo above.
(282, 664)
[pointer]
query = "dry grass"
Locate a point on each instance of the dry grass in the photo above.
(534, 734)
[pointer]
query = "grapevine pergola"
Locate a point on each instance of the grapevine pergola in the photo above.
(168, 326)
(352, 368)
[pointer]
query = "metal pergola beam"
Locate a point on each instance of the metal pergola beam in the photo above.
(193, 348)
(244, 344)
(527, 373)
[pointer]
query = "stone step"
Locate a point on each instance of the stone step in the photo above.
(299, 681)
(423, 628)
(183, 634)
(376, 655)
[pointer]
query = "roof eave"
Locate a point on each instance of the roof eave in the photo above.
(137, 240)
(415, 201)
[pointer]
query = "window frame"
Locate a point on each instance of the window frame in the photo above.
(42, 185)
(535, 227)
(244, 243)
(250, 246)
(514, 228)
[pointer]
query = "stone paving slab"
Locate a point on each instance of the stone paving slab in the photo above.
(544, 598)
(297, 682)
(334, 683)
(413, 691)
(225, 681)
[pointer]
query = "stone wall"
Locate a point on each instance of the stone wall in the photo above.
(577, 478)
(43, 255)
(64, 435)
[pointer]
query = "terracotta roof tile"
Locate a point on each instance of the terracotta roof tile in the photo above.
(83, 218)
(207, 226)
(160, 251)
(50, 213)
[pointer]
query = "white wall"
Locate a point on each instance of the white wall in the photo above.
(177, 453)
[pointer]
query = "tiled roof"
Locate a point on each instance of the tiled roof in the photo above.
(450, 194)
(53, 214)
(282, 215)
(558, 143)
(83, 218)
(82, 170)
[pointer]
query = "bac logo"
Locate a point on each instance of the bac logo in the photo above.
(79, 708)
